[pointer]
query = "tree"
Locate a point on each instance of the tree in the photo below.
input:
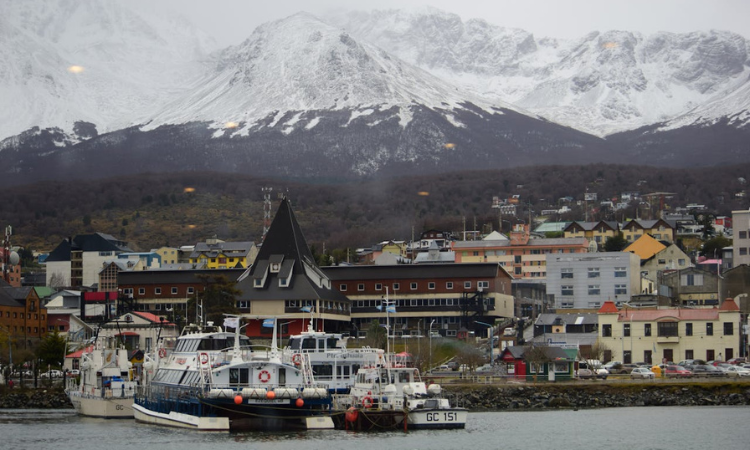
(376, 335)
(219, 297)
(615, 243)
(470, 356)
(52, 349)
(57, 280)
(536, 356)
(713, 246)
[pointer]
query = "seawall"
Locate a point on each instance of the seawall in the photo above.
(495, 398)
(34, 399)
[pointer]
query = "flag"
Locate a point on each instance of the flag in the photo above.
(391, 309)
(306, 309)
(379, 307)
(268, 323)
(231, 322)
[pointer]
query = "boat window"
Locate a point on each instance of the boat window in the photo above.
(294, 343)
(331, 343)
(282, 376)
(308, 344)
(323, 369)
(403, 377)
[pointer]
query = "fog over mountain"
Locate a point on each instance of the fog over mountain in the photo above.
(99, 87)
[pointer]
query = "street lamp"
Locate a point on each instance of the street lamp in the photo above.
(431, 324)
(491, 328)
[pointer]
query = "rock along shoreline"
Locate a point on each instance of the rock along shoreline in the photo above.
(574, 396)
(505, 397)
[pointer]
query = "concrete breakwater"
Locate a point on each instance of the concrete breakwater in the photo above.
(492, 398)
(34, 399)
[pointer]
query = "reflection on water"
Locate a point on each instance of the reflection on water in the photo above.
(683, 428)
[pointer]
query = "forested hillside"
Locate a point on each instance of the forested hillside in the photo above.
(152, 210)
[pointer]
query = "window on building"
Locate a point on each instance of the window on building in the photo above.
(566, 272)
(689, 354)
(743, 251)
(728, 328)
(190, 290)
(243, 304)
(342, 288)
(378, 286)
(157, 291)
(621, 272)
(467, 284)
(361, 287)
(621, 289)
(593, 272)
(626, 329)
(681, 261)
(449, 285)
(709, 329)
(607, 330)
(413, 286)
(688, 331)
(594, 289)
(141, 291)
(483, 284)
(174, 291)
(692, 279)
(667, 329)
(396, 286)
(566, 290)
(743, 234)
(431, 285)
(710, 355)
(627, 357)
(661, 262)
(157, 306)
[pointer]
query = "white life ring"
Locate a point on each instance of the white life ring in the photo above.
(204, 358)
(264, 376)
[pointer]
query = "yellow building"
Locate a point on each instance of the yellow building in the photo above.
(217, 254)
(660, 230)
(597, 232)
(672, 334)
(657, 257)
(169, 255)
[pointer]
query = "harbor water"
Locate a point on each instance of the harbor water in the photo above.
(645, 428)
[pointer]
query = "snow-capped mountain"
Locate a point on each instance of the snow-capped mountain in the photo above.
(87, 60)
(303, 64)
(601, 83)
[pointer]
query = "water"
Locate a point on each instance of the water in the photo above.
(650, 428)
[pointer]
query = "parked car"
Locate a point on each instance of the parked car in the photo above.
(675, 371)
(706, 370)
(622, 369)
(586, 371)
(54, 373)
(612, 364)
(737, 361)
(737, 371)
(642, 373)
(73, 373)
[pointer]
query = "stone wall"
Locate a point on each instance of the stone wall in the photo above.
(492, 398)
(34, 399)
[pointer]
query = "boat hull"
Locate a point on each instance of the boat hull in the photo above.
(180, 420)
(108, 408)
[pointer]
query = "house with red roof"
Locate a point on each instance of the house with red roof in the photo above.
(670, 334)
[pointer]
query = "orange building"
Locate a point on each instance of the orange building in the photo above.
(22, 317)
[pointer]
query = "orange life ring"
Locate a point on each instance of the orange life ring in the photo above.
(264, 376)
(296, 359)
(367, 402)
(162, 352)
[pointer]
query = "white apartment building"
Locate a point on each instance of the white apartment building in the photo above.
(741, 237)
(587, 280)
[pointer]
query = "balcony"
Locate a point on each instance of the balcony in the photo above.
(667, 339)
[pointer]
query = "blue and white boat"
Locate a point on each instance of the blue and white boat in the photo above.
(214, 380)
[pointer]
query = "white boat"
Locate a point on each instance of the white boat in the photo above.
(333, 364)
(388, 397)
(105, 387)
(213, 380)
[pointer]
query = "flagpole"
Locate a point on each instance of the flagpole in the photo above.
(387, 325)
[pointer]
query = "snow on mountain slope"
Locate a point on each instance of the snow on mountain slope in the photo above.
(301, 64)
(601, 83)
(123, 63)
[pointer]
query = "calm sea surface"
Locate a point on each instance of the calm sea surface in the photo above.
(704, 428)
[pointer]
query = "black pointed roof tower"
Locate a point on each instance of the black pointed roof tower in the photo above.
(285, 268)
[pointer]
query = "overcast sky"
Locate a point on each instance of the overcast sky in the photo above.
(231, 21)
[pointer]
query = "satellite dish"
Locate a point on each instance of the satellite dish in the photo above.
(14, 258)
